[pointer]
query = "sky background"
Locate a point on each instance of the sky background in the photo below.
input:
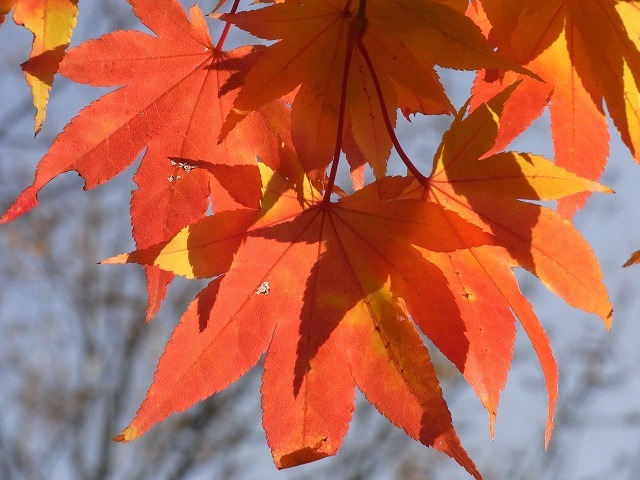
(597, 433)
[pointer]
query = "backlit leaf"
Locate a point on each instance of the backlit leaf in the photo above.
(51, 22)
(587, 54)
(317, 48)
(172, 104)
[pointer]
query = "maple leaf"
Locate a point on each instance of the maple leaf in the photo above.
(489, 193)
(587, 53)
(51, 22)
(317, 52)
(177, 88)
(345, 326)
(393, 253)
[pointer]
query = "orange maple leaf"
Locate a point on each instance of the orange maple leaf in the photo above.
(51, 22)
(177, 88)
(344, 326)
(488, 193)
(587, 53)
(320, 50)
(439, 254)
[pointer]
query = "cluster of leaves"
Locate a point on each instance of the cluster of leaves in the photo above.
(337, 288)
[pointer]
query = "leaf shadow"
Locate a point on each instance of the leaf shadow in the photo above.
(205, 300)
(497, 189)
(320, 312)
(237, 63)
(511, 220)
(45, 65)
(229, 229)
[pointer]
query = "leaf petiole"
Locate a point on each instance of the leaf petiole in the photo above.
(356, 32)
(385, 115)
(227, 27)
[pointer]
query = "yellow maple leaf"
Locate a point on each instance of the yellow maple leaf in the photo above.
(52, 23)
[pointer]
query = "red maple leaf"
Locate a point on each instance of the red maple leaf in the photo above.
(177, 89)
(434, 253)
(341, 327)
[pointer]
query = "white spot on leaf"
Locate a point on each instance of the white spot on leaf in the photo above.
(263, 289)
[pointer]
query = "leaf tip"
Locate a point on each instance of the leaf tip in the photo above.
(117, 259)
(633, 259)
(549, 428)
(492, 425)
(458, 454)
(150, 312)
(490, 403)
(25, 202)
(608, 319)
(598, 187)
(128, 434)
(547, 435)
